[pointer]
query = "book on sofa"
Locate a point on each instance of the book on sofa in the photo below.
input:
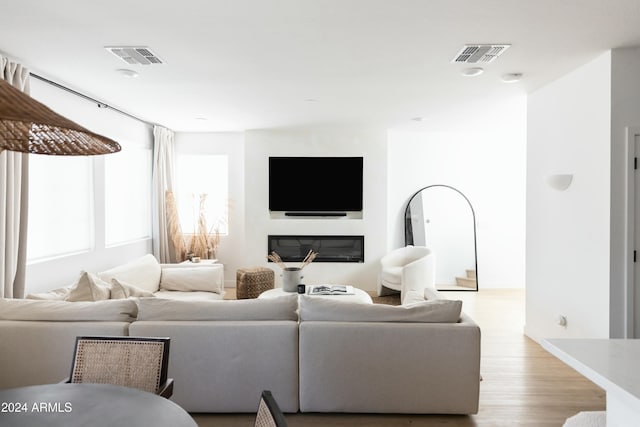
(331, 290)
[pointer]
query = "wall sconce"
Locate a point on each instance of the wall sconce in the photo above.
(559, 182)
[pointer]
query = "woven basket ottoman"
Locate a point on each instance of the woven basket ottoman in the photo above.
(251, 282)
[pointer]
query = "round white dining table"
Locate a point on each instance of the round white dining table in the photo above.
(95, 405)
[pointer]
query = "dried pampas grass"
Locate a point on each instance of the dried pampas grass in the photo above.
(202, 242)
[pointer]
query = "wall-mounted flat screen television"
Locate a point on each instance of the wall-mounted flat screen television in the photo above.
(315, 185)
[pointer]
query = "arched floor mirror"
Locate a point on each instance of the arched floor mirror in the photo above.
(441, 218)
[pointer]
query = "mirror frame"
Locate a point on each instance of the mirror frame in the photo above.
(408, 229)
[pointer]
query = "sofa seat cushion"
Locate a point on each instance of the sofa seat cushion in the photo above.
(189, 296)
(324, 309)
(88, 287)
(283, 308)
(66, 311)
(143, 273)
(91, 288)
(392, 275)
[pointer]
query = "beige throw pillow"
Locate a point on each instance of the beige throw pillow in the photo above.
(88, 287)
(121, 290)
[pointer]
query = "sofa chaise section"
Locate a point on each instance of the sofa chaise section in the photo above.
(38, 337)
(404, 364)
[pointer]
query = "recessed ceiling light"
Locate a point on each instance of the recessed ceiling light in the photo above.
(511, 77)
(472, 72)
(202, 119)
(417, 119)
(310, 100)
(128, 73)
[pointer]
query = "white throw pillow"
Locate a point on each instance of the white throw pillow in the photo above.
(121, 290)
(282, 308)
(143, 273)
(325, 309)
(204, 278)
(66, 311)
(88, 287)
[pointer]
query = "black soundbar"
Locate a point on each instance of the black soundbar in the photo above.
(315, 213)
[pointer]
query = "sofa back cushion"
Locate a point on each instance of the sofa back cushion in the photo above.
(283, 308)
(143, 273)
(206, 278)
(66, 311)
(325, 309)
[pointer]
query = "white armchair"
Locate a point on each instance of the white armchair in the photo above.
(407, 270)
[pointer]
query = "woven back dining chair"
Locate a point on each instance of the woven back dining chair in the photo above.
(269, 413)
(136, 362)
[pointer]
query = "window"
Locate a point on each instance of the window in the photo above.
(207, 177)
(60, 206)
(127, 195)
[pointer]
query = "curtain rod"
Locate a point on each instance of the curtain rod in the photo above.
(88, 98)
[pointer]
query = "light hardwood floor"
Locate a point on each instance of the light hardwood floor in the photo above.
(523, 385)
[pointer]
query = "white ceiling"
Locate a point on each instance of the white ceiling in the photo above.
(251, 64)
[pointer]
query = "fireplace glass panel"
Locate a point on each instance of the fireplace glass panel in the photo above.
(329, 248)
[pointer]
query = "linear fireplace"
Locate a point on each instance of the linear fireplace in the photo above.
(329, 248)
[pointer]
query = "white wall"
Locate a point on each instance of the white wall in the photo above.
(368, 143)
(232, 246)
(46, 275)
(489, 168)
(567, 250)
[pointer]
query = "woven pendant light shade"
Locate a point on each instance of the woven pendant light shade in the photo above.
(28, 126)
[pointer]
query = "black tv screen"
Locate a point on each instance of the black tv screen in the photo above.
(315, 184)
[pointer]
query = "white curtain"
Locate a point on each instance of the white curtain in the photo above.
(14, 198)
(163, 159)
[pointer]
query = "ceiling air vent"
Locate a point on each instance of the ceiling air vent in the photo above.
(136, 55)
(479, 53)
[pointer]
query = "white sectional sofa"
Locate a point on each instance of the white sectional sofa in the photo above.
(315, 354)
(382, 359)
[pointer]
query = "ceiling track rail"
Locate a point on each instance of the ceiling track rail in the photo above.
(100, 104)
